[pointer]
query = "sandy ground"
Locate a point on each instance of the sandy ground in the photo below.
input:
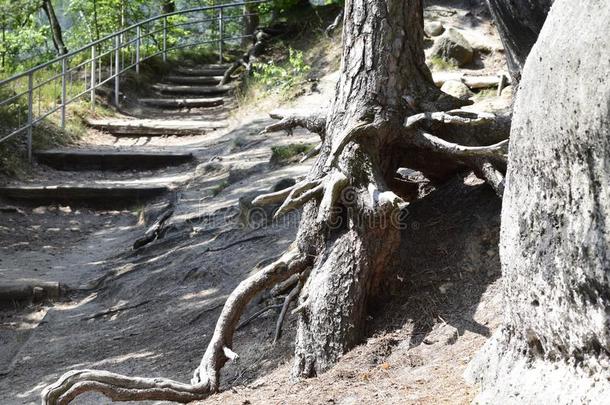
(151, 312)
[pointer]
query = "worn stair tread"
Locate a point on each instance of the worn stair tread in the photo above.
(180, 79)
(206, 70)
(115, 193)
(152, 127)
(192, 89)
(183, 102)
(111, 159)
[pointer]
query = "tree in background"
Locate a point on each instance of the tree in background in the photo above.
(56, 31)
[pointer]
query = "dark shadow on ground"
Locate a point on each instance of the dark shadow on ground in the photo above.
(449, 255)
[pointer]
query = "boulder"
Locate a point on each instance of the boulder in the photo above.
(433, 28)
(452, 46)
(457, 89)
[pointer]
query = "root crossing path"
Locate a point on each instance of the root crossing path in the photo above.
(125, 247)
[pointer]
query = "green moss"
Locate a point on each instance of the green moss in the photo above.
(437, 63)
(221, 186)
(285, 153)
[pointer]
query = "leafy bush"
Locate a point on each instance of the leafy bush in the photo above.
(283, 76)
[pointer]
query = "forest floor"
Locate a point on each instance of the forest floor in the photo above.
(151, 312)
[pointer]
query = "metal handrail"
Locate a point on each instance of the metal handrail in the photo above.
(122, 54)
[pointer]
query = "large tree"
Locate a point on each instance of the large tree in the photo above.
(554, 346)
(387, 114)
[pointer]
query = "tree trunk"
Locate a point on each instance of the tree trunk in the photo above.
(382, 62)
(555, 240)
(56, 32)
(519, 22)
(251, 22)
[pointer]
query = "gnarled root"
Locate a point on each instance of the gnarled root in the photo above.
(120, 388)
(208, 372)
(470, 128)
(291, 119)
(206, 379)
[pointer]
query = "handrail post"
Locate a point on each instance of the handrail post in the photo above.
(117, 63)
(138, 39)
(93, 79)
(165, 39)
(220, 32)
(30, 113)
(64, 69)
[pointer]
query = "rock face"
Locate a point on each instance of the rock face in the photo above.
(433, 28)
(555, 241)
(453, 46)
(457, 89)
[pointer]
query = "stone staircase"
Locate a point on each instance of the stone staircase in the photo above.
(108, 176)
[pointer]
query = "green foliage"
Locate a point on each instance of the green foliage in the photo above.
(219, 187)
(440, 64)
(285, 153)
(280, 77)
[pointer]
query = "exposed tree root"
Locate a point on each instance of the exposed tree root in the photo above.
(291, 119)
(280, 320)
(487, 171)
(206, 377)
(332, 27)
(248, 58)
(436, 144)
(120, 388)
(257, 314)
(315, 151)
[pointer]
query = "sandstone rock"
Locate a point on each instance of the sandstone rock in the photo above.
(554, 342)
(457, 89)
(452, 46)
(433, 28)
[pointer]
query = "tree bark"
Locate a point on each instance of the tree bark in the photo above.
(251, 22)
(519, 22)
(383, 62)
(555, 237)
(56, 32)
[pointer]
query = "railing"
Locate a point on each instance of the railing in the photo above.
(81, 72)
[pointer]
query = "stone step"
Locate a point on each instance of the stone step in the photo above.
(197, 80)
(111, 160)
(182, 102)
(206, 70)
(152, 127)
(107, 194)
(192, 90)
